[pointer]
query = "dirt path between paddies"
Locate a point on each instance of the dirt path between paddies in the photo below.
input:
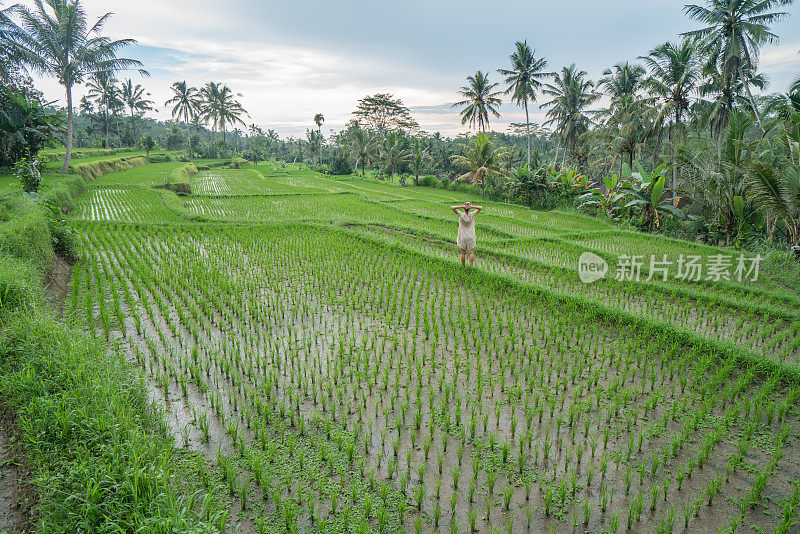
(57, 284)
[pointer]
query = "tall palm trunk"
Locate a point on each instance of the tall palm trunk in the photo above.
(70, 125)
(528, 132)
(188, 134)
(106, 120)
(752, 100)
(558, 149)
(319, 131)
(675, 152)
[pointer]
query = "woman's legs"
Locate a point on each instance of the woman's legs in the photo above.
(471, 258)
(463, 256)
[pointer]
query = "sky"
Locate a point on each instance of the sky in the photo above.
(291, 60)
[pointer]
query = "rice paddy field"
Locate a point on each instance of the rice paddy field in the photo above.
(325, 364)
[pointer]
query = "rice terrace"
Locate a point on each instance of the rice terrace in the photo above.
(208, 328)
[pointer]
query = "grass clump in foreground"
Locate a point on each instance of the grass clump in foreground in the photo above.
(97, 446)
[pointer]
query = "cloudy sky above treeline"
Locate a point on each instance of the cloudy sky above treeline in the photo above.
(290, 60)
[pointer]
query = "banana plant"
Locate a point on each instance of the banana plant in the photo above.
(608, 201)
(568, 178)
(645, 195)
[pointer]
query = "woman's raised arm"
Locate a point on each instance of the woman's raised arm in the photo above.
(455, 208)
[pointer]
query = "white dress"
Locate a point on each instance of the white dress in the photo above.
(466, 230)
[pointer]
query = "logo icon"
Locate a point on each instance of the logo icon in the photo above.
(591, 267)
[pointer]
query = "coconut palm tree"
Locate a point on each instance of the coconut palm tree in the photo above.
(393, 152)
(419, 156)
(734, 32)
(135, 99)
(674, 73)
(483, 160)
(221, 107)
(8, 35)
(361, 147)
(523, 78)
(56, 40)
(777, 187)
(313, 144)
(186, 103)
(622, 82)
(572, 94)
(105, 93)
(479, 101)
(319, 118)
(720, 98)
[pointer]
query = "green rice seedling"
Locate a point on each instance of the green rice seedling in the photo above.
(548, 499)
(654, 493)
(587, 512)
(508, 491)
(471, 491)
(491, 478)
(614, 523)
(473, 519)
(419, 493)
(367, 505)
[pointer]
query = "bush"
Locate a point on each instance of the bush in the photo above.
(341, 167)
(160, 158)
(180, 188)
(429, 181)
(64, 194)
(27, 173)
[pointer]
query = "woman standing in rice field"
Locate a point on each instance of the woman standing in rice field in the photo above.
(466, 230)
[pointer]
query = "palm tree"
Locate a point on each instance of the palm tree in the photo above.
(479, 101)
(523, 79)
(674, 73)
(220, 106)
(104, 91)
(622, 82)
(136, 100)
(8, 34)
(419, 155)
(733, 34)
(484, 161)
(777, 187)
(393, 152)
(185, 102)
(572, 95)
(56, 40)
(361, 146)
(319, 118)
(313, 143)
(726, 97)
(627, 123)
